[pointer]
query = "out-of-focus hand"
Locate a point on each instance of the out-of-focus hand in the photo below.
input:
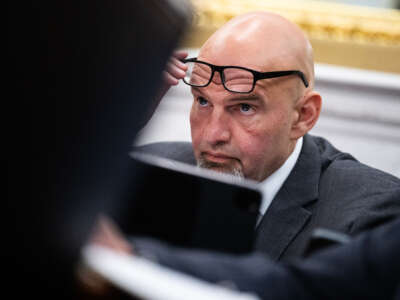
(106, 234)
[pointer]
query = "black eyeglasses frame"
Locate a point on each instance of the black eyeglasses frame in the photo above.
(256, 74)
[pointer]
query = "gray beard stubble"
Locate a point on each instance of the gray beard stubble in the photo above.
(237, 172)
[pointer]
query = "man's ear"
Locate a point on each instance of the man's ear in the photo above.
(307, 113)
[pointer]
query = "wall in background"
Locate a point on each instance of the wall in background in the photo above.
(341, 34)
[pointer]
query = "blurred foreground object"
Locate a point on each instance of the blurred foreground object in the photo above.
(108, 270)
(83, 74)
(366, 267)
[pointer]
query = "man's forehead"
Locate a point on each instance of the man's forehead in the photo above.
(231, 55)
(224, 59)
(261, 62)
(256, 45)
(219, 91)
(271, 45)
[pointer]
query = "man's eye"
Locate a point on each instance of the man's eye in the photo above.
(246, 108)
(202, 101)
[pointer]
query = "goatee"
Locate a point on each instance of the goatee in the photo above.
(222, 168)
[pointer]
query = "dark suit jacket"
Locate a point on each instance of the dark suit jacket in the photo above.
(366, 268)
(326, 188)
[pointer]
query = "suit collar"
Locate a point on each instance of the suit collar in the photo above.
(303, 182)
(271, 186)
(288, 214)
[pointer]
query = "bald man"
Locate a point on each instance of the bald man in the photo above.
(253, 105)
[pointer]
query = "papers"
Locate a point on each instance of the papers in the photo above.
(147, 280)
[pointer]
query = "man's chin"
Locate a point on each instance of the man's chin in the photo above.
(221, 168)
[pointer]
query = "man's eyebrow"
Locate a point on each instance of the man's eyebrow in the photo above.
(250, 97)
(235, 97)
(195, 88)
(196, 91)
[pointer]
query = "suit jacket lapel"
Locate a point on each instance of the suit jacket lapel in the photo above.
(288, 214)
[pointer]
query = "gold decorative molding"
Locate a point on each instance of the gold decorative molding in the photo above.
(354, 36)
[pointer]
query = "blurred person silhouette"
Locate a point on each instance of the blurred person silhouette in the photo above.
(253, 105)
(81, 78)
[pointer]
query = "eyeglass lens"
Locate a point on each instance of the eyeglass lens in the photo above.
(235, 79)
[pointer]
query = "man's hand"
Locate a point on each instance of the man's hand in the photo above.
(105, 234)
(174, 71)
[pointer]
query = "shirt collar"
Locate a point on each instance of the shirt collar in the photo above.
(272, 184)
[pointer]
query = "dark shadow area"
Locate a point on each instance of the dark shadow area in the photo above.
(81, 78)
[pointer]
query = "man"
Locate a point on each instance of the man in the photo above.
(253, 105)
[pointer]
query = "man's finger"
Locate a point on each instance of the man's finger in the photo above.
(178, 63)
(180, 54)
(174, 71)
(169, 79)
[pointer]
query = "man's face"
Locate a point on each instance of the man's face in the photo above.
(244, 134)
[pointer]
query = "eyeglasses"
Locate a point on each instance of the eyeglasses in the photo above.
(234, 79)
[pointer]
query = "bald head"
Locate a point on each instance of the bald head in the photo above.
(261, 41)
(252, 134)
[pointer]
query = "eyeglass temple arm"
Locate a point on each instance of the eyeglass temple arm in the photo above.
(280, 74)
(193, 59)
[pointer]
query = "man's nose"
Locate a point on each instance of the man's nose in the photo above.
(217, 130)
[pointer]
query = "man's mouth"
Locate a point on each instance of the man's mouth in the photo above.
(217, 157)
